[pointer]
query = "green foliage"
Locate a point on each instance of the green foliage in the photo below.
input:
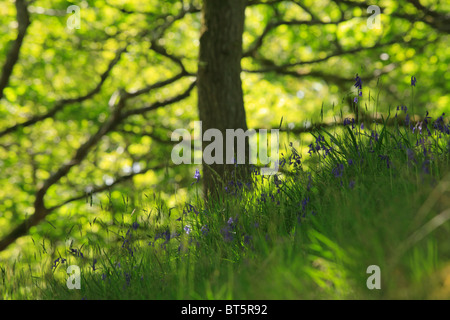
(306, 58)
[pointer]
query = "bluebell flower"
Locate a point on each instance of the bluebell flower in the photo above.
(135, 225)
(191, 208)
(308, 186)
(439, 123)
(407, 120)
(411, 156)
(426, 166)
(413, 81)
(204, 230)
(227, 234)
(166, 235)
(320, 139)
(338, 170)
(55, 263)
(348, 121)
(196, 176)
(76, 252)
(426, 118)
(247, 239)
(127, 277)
(358, 82)
(304, 203)
(386, 157)
(187, 229)
(262, 198)
(312, 149)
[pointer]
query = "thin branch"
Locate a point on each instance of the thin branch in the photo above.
(251, 51)
(156, 85)
(162, 51)
(436, 20)
(23, 20)
(159, 104)
(271, 66)
(306, 9)
(334, 78)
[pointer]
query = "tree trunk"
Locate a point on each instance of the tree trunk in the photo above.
(220, 96)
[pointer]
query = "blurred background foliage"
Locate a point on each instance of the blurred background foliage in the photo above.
(298, 56)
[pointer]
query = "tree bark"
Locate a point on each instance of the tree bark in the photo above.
(220, 96)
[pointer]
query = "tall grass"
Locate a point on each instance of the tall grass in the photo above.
(364, 194)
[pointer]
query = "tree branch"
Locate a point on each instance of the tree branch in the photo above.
(62, 103)
(271, 66)
(159, 104)
(12, 57)
(162, 51)
(251, 51)
(436, 20)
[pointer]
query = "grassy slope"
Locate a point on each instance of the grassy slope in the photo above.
(297, 236)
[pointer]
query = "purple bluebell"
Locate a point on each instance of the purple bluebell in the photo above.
(407, 120)
(386, 158)
(358, 82)
(426, 166)
(411, 156)
(308, 186)
(227, 233)
(338, 170)
(247, 239)
(351, 184)
(196, 176)
(311, 148)
(127, 277)
(204, 230)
